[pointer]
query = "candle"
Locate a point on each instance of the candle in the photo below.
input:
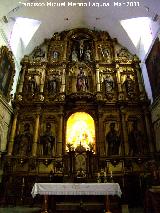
(98, 174)
(104, 174)
(111, 173)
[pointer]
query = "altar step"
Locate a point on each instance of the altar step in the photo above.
(89, 207)
(79, 206)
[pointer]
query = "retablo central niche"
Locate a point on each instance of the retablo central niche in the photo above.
(80, 131)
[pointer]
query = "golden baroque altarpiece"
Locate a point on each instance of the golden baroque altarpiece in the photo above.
(87, 72)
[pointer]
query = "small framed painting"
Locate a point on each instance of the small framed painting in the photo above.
(7, 72)
(153, 68)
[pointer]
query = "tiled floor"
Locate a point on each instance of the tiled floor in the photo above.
(136, 210)
(19, 210)
(37, 210)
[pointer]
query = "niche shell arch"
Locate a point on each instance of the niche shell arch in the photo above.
(80, 130)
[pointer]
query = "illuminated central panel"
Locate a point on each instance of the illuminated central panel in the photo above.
(80, 130)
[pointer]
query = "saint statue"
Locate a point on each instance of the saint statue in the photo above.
(32, 84)
(48, 141)
(23, 145)
(109, 83)
(129, 85)
(55, 55)
(52, 84)
(82, 81)
(113, 140)
(87, 54)
(74, 55)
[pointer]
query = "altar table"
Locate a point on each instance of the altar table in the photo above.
(75, 189)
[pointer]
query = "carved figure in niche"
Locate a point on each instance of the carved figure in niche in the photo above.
(39, 53)
(109, 83)
(32, 84)
(52, 84)
(74, 55)
(82, 81)
(113, 140)
(55, 55)
(48, 141)
(135, 140)
(24, 141)
(105, 53)
(81, 46)
(129, 85)
(87, 54)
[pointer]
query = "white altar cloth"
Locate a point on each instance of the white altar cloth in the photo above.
(76, 189)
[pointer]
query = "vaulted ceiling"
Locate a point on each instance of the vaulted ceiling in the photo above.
(40, 19)
(56, 16)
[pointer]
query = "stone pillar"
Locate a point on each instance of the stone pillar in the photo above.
(60, 132)
(12, 135)
(124, 130)
(97, 78)
(35, 135)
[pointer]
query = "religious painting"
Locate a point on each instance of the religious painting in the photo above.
(153, 68)
(7, 71)
(112, 138)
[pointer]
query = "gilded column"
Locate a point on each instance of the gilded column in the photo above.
(13, 131)
(35, 135)
(65, 50)
(119, 79)
(97, 78)
(63, 80)
(20, 88)
(96, 50)
(60, 131)
(124, 130)
(42, 78)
